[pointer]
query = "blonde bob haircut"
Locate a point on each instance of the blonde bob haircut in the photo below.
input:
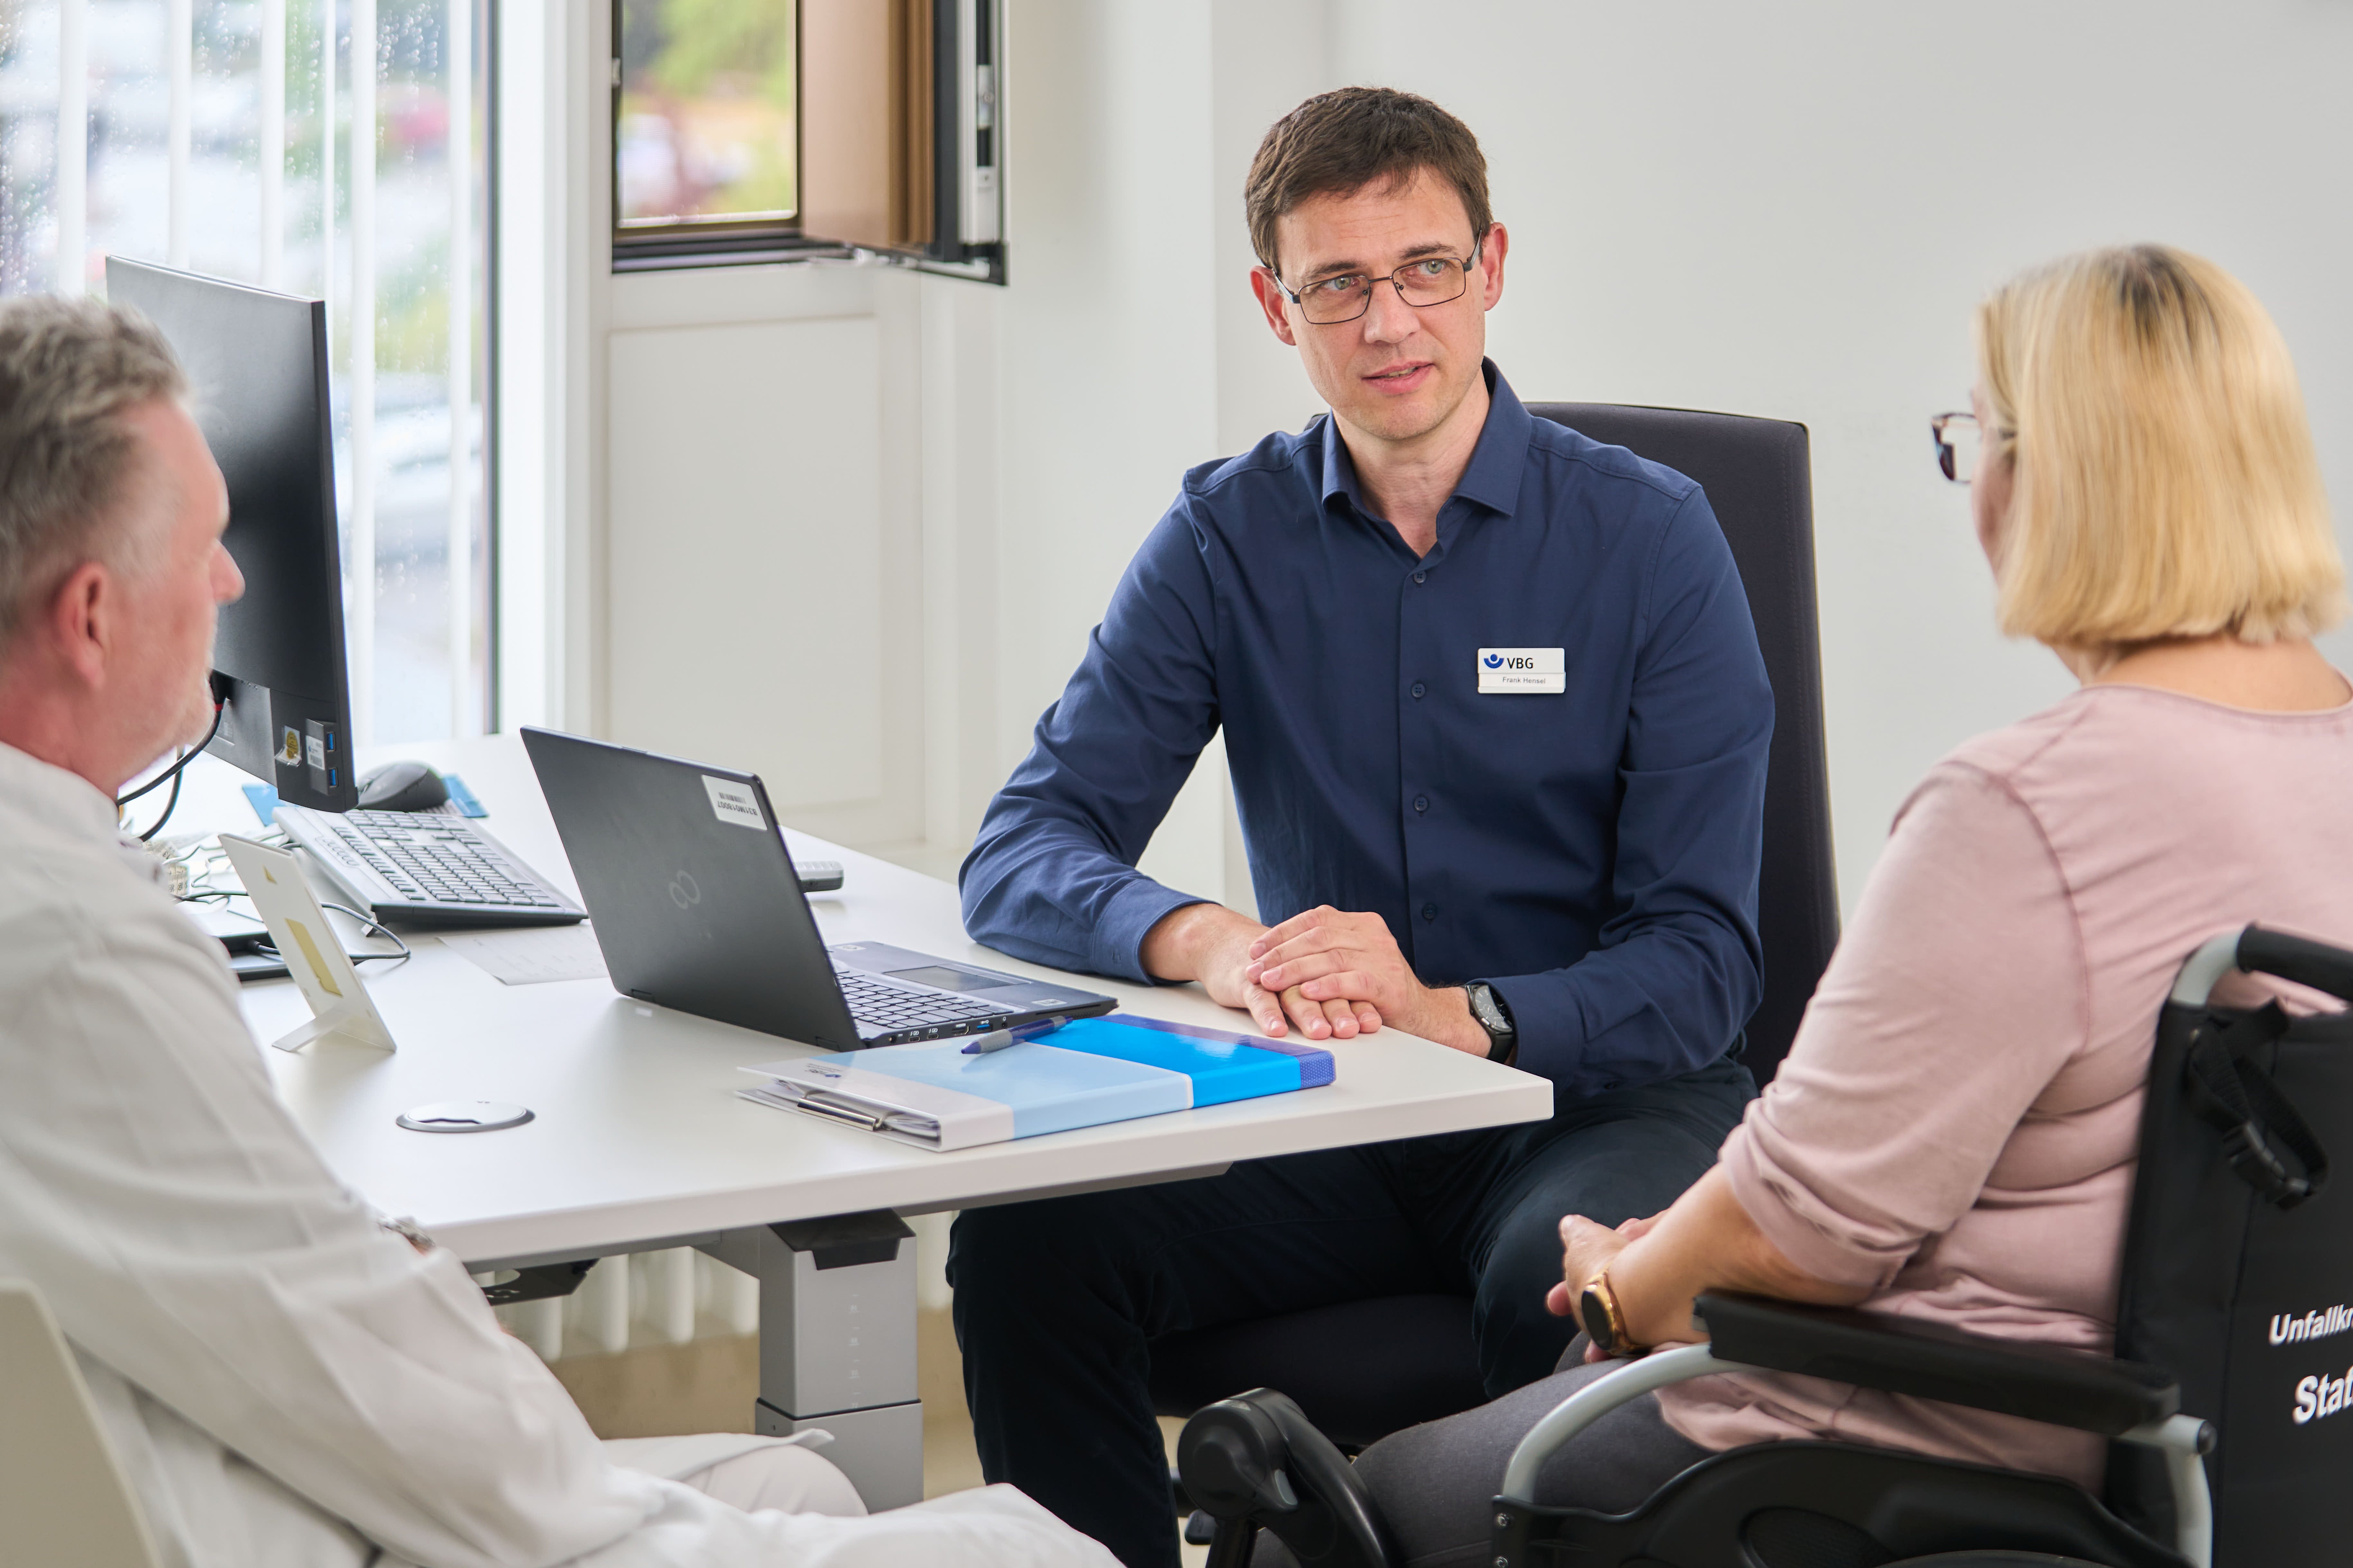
(2164, 482)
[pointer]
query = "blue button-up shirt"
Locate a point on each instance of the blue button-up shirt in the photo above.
(1591, 853)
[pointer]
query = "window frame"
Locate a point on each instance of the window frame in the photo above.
(475, 630)
(704, 242)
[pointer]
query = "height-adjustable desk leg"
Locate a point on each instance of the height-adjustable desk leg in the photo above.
(838, 1343)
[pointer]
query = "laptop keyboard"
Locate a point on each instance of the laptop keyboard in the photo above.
(890, 1008)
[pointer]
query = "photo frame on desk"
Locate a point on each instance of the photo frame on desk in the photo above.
(313, 952)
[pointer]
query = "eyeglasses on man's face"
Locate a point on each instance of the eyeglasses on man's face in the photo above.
(1959, 444)
(1433, 280)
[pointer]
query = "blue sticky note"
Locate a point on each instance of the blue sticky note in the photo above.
(263, 798)
(462, 797)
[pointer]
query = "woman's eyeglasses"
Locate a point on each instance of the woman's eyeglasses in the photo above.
(1958, 446)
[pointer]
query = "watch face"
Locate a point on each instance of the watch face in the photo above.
(1595, 1316)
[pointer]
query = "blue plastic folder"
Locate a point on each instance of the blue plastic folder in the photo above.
(1094, 1070)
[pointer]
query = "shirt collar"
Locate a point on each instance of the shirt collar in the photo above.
(1497, 463)
(75, 808)
(63, 800)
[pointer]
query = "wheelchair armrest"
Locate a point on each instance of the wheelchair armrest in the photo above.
(1901, 1355)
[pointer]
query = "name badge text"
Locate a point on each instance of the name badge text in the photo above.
(1526, 671)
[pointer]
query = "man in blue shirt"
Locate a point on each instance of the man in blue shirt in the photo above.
(1497, 725)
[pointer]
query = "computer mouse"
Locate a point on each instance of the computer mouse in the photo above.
(402, 786)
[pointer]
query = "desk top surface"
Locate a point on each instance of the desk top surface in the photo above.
(638, 1135)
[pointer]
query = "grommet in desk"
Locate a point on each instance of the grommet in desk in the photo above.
(464, 1116)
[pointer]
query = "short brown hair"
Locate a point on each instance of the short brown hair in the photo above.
(2166, 484)
(1337, 143)
(68, 370)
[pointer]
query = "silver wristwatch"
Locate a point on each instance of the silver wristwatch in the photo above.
(1488, 1008)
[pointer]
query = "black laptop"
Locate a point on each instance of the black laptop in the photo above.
(697, 907)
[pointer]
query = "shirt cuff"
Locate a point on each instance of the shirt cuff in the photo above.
(1116, 946)
(1547, 1028)
(1782, 1209)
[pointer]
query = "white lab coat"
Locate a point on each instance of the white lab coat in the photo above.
(285, 1381)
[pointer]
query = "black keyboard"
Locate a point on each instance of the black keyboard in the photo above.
(900, 1011)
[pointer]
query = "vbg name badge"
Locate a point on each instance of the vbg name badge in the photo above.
(1528, 670)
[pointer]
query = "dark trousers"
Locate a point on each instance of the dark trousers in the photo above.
(1058, 1302)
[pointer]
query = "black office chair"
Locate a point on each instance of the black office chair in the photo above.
(1361, 1370)
(2238, 1266)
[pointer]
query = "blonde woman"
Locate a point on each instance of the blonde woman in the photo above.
(1952, 1137)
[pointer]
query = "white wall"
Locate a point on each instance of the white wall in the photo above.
(1785, 211)
(1110, 370)
(763, 562)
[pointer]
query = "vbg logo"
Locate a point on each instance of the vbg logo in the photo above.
(1494, 661)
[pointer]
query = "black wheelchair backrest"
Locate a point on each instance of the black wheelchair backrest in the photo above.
(2239, 1253)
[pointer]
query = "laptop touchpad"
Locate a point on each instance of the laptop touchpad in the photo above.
(949, 979)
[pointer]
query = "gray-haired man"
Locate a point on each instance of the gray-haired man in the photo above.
(285, 1380)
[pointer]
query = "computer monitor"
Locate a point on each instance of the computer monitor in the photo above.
(258, 363)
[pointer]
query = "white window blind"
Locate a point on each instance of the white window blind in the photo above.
(333, 148)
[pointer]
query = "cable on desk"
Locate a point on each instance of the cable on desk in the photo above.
(215, 857)
(380, 929)
(403, 956)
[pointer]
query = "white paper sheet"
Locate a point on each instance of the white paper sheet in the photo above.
(533, 955)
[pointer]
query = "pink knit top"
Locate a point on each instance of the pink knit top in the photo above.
(1956, 1125)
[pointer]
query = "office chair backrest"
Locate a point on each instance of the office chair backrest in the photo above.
(62, 1497)
(1758, 478)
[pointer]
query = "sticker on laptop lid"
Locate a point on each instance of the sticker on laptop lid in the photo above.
(733, 801)
(1527, 670)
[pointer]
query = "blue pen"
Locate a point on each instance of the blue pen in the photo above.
(998, 1039)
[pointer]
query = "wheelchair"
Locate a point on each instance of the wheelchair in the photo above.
(2219, 1402)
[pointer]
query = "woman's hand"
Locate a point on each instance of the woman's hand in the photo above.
(1658, 1263)
(1587, 1249)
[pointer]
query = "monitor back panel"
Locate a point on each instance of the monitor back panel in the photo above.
(690, 887)
(257, 363)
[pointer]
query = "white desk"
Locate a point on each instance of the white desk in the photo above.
(639, 1141)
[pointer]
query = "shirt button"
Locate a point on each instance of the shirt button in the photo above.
(1422, 803)
(1417, 689)
(1429, 912)
(1420, 575)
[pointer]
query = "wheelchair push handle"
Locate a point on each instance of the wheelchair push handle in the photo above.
(2299, 959)
(2260, 952)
